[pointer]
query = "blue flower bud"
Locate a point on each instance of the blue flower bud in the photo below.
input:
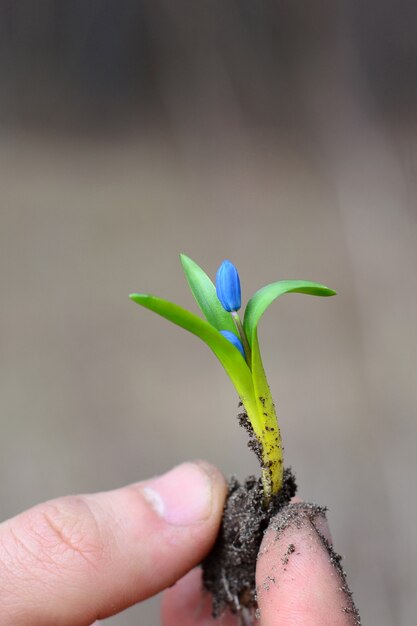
(234, 340)
(228, 286)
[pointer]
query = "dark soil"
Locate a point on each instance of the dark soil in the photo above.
(229, 569)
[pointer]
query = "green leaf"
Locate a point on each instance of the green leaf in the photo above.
(228, 355)
(261, 300)
(205, 294)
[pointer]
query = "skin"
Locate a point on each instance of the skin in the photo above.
(78, 559)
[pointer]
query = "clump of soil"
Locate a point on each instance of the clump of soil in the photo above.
(229, 569)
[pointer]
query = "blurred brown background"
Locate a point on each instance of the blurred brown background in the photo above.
(281, 135)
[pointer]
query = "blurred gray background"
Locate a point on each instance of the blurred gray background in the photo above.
(281, 135)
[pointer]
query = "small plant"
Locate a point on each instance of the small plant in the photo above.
(235, 343)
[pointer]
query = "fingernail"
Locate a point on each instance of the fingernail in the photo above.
(183, 496)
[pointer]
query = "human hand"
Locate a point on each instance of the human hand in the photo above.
(71, 561)
(74, 560)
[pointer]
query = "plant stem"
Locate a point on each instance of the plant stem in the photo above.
(243, 338)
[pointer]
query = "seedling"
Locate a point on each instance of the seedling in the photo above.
(235, 344)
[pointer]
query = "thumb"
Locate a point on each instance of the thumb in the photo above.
(299, 578)
(73, 560)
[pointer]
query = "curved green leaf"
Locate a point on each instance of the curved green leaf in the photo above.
(205, 294)
(261, 300)
(228, 355)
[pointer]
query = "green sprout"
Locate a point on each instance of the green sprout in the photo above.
(236, 346)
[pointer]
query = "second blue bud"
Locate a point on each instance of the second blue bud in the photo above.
(234, 340)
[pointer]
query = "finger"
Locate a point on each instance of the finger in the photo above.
(185, 603)
(299, 578)
(73, 560)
